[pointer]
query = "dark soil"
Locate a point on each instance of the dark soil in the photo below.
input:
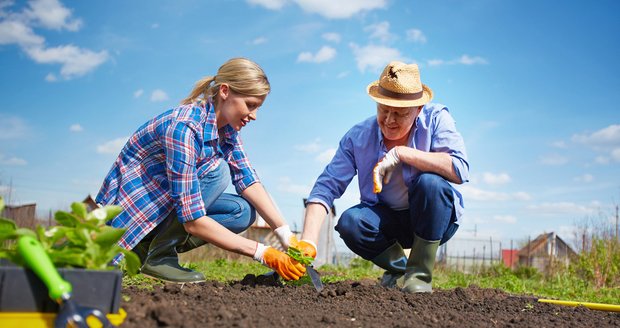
(249, 303)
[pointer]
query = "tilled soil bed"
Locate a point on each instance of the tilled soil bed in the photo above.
(344, 304)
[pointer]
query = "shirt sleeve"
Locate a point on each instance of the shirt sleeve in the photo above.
(337, 175)
(447, 139)
(181, 147)
(243, 175)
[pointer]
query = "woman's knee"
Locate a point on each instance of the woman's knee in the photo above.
(246, 214)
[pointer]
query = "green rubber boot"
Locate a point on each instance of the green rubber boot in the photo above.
(162, 260)
(419, 272)
(393, 261)
(191, 243)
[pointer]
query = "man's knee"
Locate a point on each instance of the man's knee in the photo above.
(347, 225)
(431, 184)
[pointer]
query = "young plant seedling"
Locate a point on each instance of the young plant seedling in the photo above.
(298, 256)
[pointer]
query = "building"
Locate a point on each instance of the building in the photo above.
(24, 215)
(545, 249)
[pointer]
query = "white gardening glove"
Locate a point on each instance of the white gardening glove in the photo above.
(383, 170)
(284, 235)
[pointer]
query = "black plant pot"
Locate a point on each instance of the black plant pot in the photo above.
(22, 291)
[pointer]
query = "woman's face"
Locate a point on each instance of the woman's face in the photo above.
(396, 122)
(235, 109)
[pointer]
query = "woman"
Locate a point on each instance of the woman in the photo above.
(170, 178)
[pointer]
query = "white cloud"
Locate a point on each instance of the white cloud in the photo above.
(326, 53)
(374, 58)
(467, 60)
(601, 160)
(311, 147)
(285, 184)
(52, 14)
(76, 128)
(12, 161)
(505, 219)
(559, 144)
(380, 31)
(342, 75)
(564, 208)
(259, 40)
(326, 156)
(606, 138)
(474, 193)
(463, 60)
(269, 4)
(138, 93)
(75, 61)
(341, 8)
(326, 8)
(51, 77)
(495, 179)
(13, 31)
(17, 28)
(112, 146)
(615, 154)
(584, 178)
(415, 36)
(332, 37)
(159, 95)
(435, 62)
(553, 159)
(12, 127)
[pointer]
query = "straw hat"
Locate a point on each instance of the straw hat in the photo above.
(400, 86)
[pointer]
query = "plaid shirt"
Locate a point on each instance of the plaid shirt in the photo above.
(160, 167)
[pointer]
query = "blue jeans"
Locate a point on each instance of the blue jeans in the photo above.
(369, 230)
(231, 211)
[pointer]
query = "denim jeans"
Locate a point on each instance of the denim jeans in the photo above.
(369, 230)
(231, 211)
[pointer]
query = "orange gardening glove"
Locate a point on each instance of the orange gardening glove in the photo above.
(307, 247)
(283, 264)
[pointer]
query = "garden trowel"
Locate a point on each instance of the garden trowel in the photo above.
(59, 289)
(314, 276)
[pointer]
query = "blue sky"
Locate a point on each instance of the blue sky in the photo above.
(533, 87)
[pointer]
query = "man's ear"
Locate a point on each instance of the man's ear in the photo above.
(224, 91)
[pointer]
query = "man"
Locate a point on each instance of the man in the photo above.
(405, 158)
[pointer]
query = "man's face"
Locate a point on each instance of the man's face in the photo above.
(396, 122)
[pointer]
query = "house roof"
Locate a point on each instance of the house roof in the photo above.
(541, 241)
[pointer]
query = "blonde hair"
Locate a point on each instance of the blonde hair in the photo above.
(242, 75)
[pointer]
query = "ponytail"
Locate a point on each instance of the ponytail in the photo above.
(242, 75)
(201, 90)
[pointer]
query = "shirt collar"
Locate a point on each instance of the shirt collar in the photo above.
(211, 130)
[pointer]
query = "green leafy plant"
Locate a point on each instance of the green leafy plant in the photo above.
(81, 239)
(298, 256)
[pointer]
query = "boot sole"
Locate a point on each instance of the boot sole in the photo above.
(172, 281)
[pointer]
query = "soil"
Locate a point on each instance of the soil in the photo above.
(260, 302)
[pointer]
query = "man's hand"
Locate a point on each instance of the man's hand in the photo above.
(283, 264)
(307, 247)
(383, 170)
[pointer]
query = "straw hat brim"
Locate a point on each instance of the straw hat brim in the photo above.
(373, 92)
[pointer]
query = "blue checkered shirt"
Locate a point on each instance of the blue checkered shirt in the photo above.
(160, 167)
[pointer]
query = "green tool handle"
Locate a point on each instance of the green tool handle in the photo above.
(35, 257)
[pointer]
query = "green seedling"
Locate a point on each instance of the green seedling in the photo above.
(81, 239)
(298, 256)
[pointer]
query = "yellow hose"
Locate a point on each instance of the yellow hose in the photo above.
(593, 306)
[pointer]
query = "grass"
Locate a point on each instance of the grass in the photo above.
(561, 286)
